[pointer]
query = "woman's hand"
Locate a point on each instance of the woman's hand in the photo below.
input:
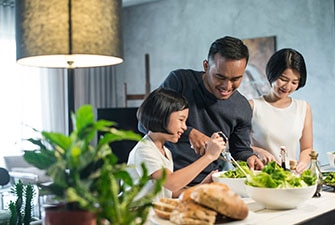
(301, 166)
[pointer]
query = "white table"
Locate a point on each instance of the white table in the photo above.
(311, 209)
(306, 211)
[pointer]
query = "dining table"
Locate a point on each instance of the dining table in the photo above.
(317, 210)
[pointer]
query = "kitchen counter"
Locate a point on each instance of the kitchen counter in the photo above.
(314, 211)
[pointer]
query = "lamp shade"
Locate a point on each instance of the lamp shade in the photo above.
(68, 33)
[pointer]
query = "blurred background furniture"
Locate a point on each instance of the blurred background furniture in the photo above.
(129, 97)
(4, 190)
(126, 120)
(19, 169)
(4, 186)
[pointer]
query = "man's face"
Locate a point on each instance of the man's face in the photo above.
(223, 76)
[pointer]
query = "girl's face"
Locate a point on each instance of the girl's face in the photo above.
(286, 83)
(177, 125)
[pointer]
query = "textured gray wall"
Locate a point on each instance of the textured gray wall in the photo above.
(177, 34)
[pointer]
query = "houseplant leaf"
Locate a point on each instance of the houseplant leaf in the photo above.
(88, 175)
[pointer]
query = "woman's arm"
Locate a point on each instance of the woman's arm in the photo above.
(306, 142)
(251, 102)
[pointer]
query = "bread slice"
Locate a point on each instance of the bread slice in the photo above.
(170, 201)
(185, 196)
(164, 207)
(220, 199)
(162, 214)
(191, 213)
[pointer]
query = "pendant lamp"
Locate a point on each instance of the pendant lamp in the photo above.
(68, 33)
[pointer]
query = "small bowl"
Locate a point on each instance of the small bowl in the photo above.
(331, 158)
(280, 198)
(235, 184)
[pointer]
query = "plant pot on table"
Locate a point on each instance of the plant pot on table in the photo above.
(61, 214)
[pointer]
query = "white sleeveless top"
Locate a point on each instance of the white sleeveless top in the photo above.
(274, 127)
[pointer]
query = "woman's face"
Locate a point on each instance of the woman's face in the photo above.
(177, 125)
(286, 83)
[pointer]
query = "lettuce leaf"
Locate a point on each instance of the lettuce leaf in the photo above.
(237, 173)
(274, 176)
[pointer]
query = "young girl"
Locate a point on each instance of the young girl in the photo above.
(163, 114)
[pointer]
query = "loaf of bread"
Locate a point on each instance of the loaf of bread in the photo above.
(201, 204)
(191, 213)
(222, 200)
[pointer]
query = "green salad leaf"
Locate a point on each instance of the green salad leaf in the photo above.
(329, 178)
(308, 177)
(274, 176)
(236, 172)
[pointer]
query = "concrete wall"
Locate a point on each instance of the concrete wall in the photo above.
(177, 34)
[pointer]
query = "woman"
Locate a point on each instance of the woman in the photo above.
(164, 113)
(280, 120)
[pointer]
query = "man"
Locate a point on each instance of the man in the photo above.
(215, 105)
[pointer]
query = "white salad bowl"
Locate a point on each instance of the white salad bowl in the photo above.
(235, 184)
(280, 198)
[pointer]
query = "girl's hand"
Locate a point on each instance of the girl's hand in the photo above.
(215, 146)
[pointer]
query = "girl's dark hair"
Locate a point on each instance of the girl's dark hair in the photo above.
(283, 59)
(154, 113)
(230, 48)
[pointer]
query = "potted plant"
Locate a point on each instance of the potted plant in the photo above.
(87, 177)
(21, 208)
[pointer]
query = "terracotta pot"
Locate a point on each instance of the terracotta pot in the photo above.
(61, 216)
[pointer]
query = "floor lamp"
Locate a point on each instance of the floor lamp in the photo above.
(68, 34)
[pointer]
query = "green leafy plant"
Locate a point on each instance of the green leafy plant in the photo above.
(21, 209)
(89, 176)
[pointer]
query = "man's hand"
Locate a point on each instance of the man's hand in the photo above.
(198, 141)
(255, 163)
(264, 155)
